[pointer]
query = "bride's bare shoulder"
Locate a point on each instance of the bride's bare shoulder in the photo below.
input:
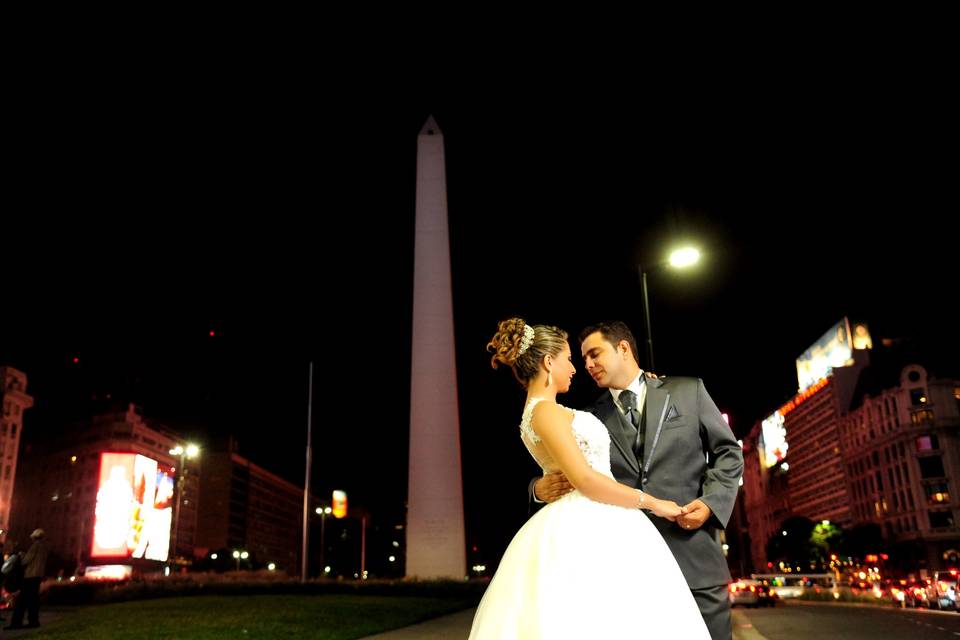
(548, 411)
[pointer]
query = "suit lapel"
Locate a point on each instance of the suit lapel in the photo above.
(610, 417)
(654, 410)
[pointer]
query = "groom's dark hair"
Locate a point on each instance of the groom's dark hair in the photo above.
(613, 332)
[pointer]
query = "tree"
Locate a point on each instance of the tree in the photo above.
(826, 538)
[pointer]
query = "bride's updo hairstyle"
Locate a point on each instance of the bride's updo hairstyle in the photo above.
(522, 347)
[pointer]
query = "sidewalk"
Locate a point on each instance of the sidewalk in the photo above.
(47, 616)
(743, 628)
(453, 626)
(456, 626)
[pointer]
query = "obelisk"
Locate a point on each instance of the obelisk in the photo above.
(436, 544)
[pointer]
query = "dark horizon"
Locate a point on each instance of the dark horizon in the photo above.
(271, 247)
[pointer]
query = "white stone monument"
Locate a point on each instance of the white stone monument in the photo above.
(436, 543)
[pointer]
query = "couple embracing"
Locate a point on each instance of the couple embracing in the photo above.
(635, 487)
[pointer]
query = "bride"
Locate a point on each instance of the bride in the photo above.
(591, 564)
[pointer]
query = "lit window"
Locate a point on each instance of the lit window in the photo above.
(918, 397)
(938, 493)
(928, 442)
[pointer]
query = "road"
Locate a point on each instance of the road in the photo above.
(804, 621)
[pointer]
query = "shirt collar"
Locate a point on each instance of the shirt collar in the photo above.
(633, 386)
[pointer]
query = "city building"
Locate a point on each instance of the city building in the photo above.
(870, 439)
(901, 443)
(62, 477)
(244, 507)
(15, 401)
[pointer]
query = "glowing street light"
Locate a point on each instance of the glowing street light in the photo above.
(323, 512)
(684, 257)
(240, 555)
(189, 451)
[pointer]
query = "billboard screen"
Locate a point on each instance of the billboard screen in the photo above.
(774, 436)
(833, 349)
(134, 508)
(773, 433)
(339, 504)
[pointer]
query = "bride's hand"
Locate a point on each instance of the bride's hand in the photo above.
(666, 509)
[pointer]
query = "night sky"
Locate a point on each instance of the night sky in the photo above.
(285, 226)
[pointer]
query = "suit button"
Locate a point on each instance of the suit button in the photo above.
(644, 481)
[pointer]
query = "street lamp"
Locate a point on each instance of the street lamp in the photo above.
(238, 555)
(184, 452)
(323, 512)
(679, 259)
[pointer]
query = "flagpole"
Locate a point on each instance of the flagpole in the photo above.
(306, 484)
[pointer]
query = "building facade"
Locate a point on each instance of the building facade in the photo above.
(902, 453)
(14, 401)
(816, 475)
(244, 507)
(60, 479)
(766, 500)
(865, 447)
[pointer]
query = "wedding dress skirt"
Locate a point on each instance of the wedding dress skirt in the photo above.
(582, 569)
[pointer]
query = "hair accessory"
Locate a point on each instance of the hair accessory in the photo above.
(526, 340)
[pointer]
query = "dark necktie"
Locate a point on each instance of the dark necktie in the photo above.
(628, 400)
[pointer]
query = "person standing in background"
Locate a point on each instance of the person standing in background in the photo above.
(35, 565)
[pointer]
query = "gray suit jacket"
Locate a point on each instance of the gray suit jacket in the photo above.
(689, 452)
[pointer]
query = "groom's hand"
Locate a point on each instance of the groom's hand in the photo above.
(694, 515)
(552, 486)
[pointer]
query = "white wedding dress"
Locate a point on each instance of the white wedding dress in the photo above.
(584, 569)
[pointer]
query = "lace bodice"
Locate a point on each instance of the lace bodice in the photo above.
(591, 436)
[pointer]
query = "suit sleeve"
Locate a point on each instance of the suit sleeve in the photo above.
(533, 504)
(723, 474)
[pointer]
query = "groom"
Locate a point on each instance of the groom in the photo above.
(667, 437)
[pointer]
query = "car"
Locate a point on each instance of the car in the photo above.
(942, 590)
(791, 587)
(751, 593)
(897, 590)
(916, 594)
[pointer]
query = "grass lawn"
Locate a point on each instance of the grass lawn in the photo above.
(331, 617)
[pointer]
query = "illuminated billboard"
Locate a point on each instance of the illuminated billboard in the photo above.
(339, 504)
(134, 508)
(861, 337)
(833, 349)
(774, 436)
(773, 430)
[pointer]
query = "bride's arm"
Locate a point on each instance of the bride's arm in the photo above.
(552, 423)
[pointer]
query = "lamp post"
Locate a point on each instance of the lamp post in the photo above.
(679, 259)
(646, 316)
(323, 513)
(238, 555)
(184, 452)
